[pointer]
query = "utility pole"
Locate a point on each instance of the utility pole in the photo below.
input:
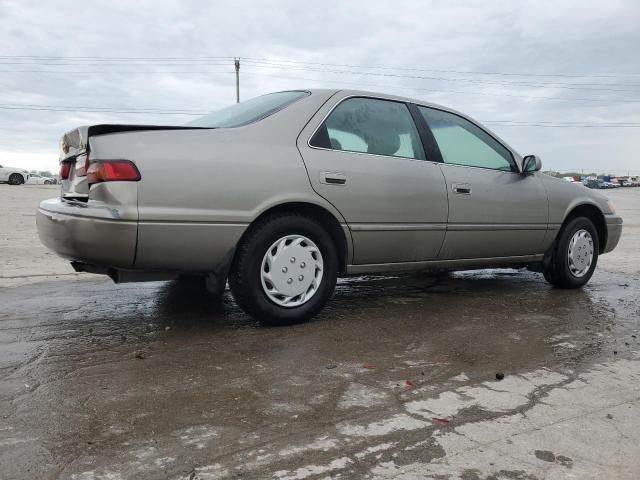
(236, 61)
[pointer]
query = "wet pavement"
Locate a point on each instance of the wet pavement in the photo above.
(395, 379)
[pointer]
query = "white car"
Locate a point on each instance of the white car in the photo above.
(13, 176)
(36, 179)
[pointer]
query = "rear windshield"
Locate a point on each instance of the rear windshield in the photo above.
(249, 111)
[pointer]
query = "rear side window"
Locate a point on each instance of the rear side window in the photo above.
(249, 111)
(463, 143)
(368, 125)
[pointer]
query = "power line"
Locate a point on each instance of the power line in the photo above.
(339, 82)
(44, 57)
(108, 72)
(263, 64)
(559, 125)
(569, 123)
(99, 110)
(111, 64)
(446, 79)
(426, 89)
(85, 109)
(279, 65)
(103, 108)
(371, 67)
(464, 72)
(293, 66)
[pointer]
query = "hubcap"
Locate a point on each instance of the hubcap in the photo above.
(291, 271)
(580, 255)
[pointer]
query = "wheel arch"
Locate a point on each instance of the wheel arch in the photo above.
(323, 216)
(593, 213)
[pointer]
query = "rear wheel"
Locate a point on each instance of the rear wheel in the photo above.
(16, 179)
(285, 270)
(574, 256)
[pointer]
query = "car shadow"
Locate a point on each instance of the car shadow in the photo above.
(188, 305)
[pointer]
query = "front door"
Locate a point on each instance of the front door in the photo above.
(494, 211)
(367, 159)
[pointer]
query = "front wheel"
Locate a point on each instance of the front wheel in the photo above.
(285, 269)
(574, 256)
(16, 179)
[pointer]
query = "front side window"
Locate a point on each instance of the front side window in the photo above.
(463, 143)
(249, 111)
(368, 125)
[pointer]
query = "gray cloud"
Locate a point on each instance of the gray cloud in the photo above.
(590, 40)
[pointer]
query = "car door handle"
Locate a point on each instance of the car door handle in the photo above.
(461, 188)
(333, 178)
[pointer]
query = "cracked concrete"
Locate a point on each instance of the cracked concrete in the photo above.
(146, 381)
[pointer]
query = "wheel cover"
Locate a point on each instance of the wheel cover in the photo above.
(14, 179)
(580, 254)
(291, 271)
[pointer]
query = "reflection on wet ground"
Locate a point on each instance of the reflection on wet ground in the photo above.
(91, 371)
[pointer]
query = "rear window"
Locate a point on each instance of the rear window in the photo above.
(248, 112)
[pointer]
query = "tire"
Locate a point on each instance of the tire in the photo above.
(16, 179)
(47, 182)
(256, 281)
(576, 243)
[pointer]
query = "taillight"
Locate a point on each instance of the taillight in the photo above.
(112, 171)
(82, 165)
(65, 169)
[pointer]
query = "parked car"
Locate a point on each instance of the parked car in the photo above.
(290, 190)
(597, 184)
(36, 179)
(13, 175)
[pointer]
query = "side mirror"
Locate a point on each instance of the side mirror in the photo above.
(530, 164)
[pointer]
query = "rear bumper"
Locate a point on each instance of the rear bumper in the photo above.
(87, 233)
(614, 232)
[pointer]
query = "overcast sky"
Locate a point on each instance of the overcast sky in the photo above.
(542, 67)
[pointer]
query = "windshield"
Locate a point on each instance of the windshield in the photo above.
(249, 111)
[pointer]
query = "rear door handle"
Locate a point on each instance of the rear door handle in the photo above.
(461, 188)
(333, 178)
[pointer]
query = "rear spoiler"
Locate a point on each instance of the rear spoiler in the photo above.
(106, 128)
(76, 142)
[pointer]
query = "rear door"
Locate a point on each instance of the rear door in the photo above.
(365, 156)
(494, 211)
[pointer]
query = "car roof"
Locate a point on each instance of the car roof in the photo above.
(389, 96)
